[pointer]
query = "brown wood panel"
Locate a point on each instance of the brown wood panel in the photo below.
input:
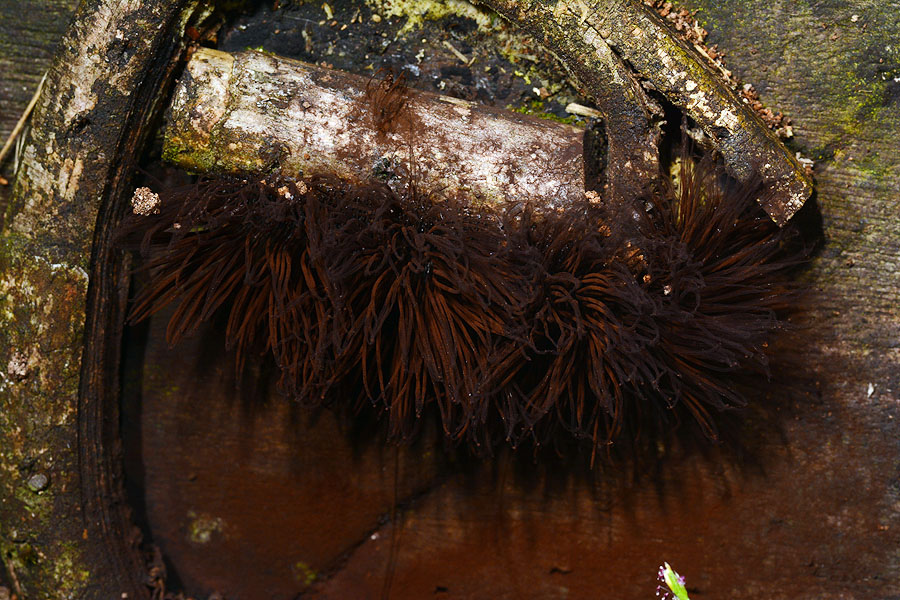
(245, 492)
(255, 500)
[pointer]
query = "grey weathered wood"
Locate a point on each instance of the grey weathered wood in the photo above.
(28, 39)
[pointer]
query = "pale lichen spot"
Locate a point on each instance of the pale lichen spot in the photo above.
(70, 177)
(203, 527)
(728, 120)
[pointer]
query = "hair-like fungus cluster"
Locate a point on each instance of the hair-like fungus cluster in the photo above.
(512, 323)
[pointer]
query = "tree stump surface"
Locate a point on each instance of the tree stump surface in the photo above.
(816, 515)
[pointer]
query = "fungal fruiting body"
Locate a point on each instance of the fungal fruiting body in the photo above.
(511, 322)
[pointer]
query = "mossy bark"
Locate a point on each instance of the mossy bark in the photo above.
(63, 532)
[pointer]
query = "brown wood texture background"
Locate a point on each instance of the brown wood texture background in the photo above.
(258, 500)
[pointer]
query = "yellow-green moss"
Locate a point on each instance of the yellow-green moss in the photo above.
(538, 108)
(202, 527)
(417, 12)
(303, 573)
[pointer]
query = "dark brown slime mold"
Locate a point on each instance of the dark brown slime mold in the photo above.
(511, 322)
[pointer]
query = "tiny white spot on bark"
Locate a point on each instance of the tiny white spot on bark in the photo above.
(17, 369)
(728, 120)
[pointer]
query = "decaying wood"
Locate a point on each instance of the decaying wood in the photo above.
(28, 39)
(633, 119)
(585, 31)
(251, 112)
(815, 518)
(66, 533)
(809, 513)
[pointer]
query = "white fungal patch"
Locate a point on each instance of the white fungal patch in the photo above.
(145, 202)
(728, 120)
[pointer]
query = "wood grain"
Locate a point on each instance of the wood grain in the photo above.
(28, 39)
(812, 510)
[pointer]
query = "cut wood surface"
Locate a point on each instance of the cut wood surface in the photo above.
(812, 513)
(250, 112)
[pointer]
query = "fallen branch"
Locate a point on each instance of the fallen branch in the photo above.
(255, 112)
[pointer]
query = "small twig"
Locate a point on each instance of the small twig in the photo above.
(22, 120)
(11, 571)
(457, 53)
(20, 145)
(583, 111)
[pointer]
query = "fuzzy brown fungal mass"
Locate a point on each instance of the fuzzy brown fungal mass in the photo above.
(510, 323)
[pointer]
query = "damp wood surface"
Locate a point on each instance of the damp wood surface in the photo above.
(817, 515)
(249, 111)
(812, 512)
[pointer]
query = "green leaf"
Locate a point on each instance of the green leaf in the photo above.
(673, 580)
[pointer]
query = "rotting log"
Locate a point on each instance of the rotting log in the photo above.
(65, 530)
(812, 515)
(250, 112)
(603, 35)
